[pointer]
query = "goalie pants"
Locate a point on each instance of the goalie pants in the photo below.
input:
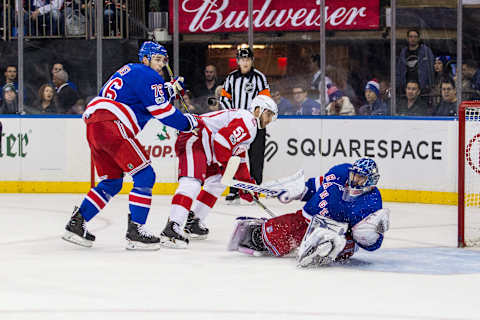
(284, 233)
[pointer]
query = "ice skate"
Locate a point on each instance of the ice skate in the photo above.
(172, 236)
(138, 238)
(232, 198)
(76, 230)
(194, 229)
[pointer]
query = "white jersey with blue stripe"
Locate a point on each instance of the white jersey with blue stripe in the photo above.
(135, 94)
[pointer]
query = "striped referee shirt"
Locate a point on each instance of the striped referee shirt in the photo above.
(240, 89)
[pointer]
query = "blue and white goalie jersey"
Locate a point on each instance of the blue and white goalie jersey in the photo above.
(325, 198)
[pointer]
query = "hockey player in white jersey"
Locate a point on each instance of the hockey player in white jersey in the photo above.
(202, 161)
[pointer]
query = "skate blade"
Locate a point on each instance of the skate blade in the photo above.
(172, 243)
(76, 239)
(197, 237)
(136, 245)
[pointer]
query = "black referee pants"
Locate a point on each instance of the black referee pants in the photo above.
(256, 155)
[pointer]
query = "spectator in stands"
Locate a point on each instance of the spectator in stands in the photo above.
(59, 67)
(471, 73)
(78, 107)
(11, 76)
(415, 63)
(441, 72)
(412, 104)
(192, 108)
(46, 102)
(214, 102)
(303, 104)
(284, 105)
(340, 104)
(206, 88)
(46, 18)
(448, 105)
(317, 78)
(339, 78)
(374, 106)
(9, 103)
(385, 92)
(66, 95)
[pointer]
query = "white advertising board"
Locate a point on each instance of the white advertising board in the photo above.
(411, 154)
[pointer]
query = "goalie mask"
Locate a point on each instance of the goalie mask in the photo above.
(264, 103)
(362, 177)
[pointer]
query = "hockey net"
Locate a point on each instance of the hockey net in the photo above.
(469, 174)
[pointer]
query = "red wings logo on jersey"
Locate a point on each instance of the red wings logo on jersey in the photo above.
(237, 135)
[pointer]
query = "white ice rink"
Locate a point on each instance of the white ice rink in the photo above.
(417, 274)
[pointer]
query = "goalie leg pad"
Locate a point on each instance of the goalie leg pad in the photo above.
(246, 236)
(323, 241)
(284, 233)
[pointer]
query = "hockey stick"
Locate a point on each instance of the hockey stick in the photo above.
(182, 101)
(227, 179)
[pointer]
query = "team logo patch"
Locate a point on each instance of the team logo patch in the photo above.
(249, 87)
(269, 229)
(130, 166)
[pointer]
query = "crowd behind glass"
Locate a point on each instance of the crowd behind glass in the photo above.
(425, 79)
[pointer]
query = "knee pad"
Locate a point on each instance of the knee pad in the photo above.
(110, 187)
(213, 185)
(145, 178)
(189, 186)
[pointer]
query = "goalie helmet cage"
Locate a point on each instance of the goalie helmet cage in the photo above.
(469, 174)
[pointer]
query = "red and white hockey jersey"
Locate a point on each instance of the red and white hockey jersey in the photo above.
(227, 133)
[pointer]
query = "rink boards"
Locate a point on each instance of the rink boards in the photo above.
(417, 157)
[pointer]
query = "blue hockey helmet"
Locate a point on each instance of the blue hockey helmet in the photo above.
(362, 177)
(150, 48)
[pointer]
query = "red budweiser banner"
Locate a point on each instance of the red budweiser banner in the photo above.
(204, 16)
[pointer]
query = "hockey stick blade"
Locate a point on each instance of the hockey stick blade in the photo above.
(230, 170)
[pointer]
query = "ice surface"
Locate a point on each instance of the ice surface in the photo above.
(417, 274)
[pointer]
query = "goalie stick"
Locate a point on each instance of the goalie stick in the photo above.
(227, 179)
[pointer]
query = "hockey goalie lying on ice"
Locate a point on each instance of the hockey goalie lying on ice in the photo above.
(343, 211)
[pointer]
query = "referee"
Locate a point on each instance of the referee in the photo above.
(239, 89)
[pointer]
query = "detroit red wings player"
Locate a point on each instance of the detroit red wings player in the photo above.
(202, 160)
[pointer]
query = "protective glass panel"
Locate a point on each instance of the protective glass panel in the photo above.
(426, 54)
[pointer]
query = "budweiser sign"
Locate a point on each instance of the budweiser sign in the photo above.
(204, 16)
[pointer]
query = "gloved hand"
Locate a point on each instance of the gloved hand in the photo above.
(196, 123)
(246, 195)
(178, 86)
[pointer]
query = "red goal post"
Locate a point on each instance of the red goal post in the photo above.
(469, 174)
